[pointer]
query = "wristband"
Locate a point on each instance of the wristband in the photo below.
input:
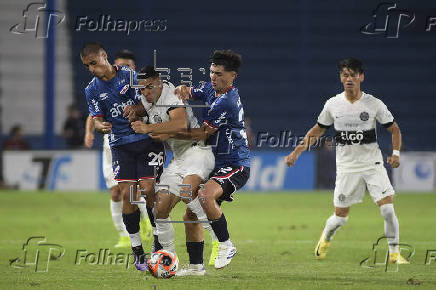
(396, 152)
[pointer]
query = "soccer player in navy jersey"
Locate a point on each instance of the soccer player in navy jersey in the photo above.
(123, 57)
(224, 128)
(137, 158)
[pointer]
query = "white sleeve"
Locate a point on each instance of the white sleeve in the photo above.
(172, 99)
(325, 118)
(383, 115)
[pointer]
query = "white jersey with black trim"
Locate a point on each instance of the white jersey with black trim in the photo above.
(159, 113)
(355, 124)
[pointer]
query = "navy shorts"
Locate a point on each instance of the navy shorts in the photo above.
(143, 159)
(231, 179)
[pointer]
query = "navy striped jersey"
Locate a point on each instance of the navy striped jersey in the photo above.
(108, 100)
(225, 114)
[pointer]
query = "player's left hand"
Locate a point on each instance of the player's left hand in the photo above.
(129, 113)
(139, 127)
(394, 161)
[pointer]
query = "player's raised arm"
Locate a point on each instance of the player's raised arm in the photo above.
(89, 132)
(102, 126)
(190, 93)
(394, 160)
(176, 123)
(311, 137)
(183, 92)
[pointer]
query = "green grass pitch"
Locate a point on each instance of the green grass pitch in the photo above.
(275, 234)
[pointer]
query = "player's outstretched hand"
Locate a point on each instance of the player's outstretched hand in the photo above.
(88, 140)
(139, 127)
(129, 113)
(182, 92)
(394, 161)
(105, 128)
(291, 158)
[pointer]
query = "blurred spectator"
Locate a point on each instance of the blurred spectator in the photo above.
(16, 141)
(326, 165)
(74, 128)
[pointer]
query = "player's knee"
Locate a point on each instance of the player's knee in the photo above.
(146, 188)
(162, 211)
(125, 194)
(342, 212)
(189, 216)
(202, 193)
(115, 193)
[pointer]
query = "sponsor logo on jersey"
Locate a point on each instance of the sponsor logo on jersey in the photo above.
(117, 109)
(356, 137)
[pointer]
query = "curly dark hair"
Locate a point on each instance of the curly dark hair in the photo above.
(227, 58)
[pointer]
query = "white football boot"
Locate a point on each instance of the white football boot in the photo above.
(225, 255)
(192, 270)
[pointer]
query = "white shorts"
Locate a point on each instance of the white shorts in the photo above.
(107, 163)
(350, 187)
(196, 160)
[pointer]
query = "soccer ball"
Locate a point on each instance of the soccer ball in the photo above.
(163, 264)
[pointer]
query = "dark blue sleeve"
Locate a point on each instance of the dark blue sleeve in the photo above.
(94, 105)
(201, 93)
(134, 94)
(218, 114)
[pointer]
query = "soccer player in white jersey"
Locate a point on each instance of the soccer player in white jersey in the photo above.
(359, 162)
(191, 164)
(123, 57)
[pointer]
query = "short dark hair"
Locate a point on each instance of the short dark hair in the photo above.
(352, 64)
(126, 54)
(147, 72)
(227, 58)
(91, 48)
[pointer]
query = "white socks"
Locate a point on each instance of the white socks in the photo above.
(117, 218)
(332, 225)
(392, 229)
(143, 208)
(135, 239)
(165, 233)
(196, 208)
